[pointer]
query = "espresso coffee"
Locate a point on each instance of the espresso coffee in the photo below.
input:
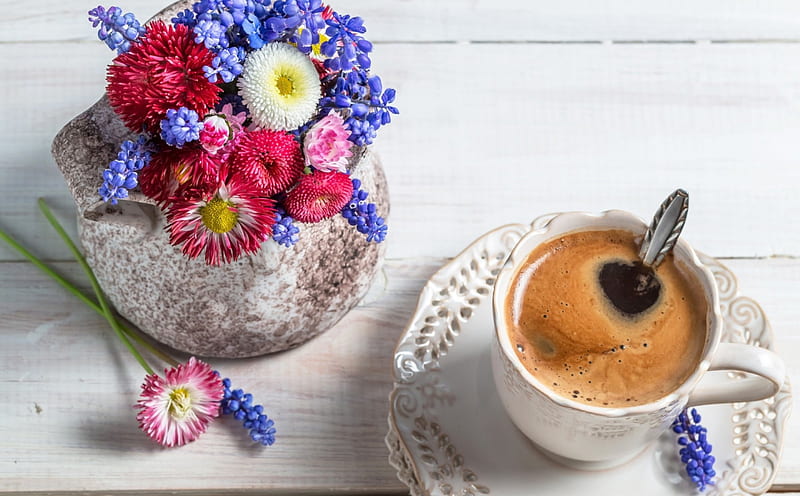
(579, 329)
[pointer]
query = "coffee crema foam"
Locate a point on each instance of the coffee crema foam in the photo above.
(571, 337)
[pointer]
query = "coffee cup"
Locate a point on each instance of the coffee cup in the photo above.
(592, 436)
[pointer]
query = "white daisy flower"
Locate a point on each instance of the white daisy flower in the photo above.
(280, 87)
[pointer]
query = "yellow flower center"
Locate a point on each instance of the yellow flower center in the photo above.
(179, 403)
(285, 85)
(219, 215)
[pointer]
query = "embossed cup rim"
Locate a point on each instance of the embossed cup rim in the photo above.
(559, 225)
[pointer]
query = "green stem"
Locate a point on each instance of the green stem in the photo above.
(143, 342)
(47, 270)
(85, 299)
(95, 286)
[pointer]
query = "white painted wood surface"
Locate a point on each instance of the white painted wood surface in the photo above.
(67, 386)
(540, 128)
(481, 20)
(493, 130)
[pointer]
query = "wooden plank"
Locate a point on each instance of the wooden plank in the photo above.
(66, 385)
(554, 128)
(495, 134)
(484, 20)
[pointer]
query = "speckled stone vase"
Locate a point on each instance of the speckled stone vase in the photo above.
(271, 301)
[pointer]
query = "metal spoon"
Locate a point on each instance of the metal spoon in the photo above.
(663, 232)
(633, 287)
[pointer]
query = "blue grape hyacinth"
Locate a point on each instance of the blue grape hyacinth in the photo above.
(284, 231)
(240, 404)
(364, 215)
(365, 103)
(180, 127)
(695, 449)
(308, 15)
(117, 30)
(227, 64)
(346, 49)
(121, 174)
(211, 33)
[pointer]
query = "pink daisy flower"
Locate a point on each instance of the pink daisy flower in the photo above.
(176, 409)
(234, 219)
(327, 146)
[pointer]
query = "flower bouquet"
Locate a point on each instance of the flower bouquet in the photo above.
(230, 203)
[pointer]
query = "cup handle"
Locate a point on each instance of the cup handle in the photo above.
(717, 387)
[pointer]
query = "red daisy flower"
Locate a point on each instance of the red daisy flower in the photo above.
(163, 70)
(273, 159)
(234, 219)
(318, 196)
(173, 168)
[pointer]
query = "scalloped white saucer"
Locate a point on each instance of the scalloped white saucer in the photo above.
(449, 434)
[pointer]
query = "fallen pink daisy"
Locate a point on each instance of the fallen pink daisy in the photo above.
(176, 409)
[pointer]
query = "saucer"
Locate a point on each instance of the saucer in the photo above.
(450, 436)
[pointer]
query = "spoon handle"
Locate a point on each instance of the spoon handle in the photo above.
(663, 232)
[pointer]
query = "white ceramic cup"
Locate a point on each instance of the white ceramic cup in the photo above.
(593, 437)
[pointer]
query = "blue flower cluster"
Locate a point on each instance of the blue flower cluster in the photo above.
(695, 450)
(121, 174)
(180, 127)
(364, 215)
(211, 33)
(240, 404)
(346, 47)
(187, 18)
(222, 24)
(227, 64)
(307, 15)
(364, 102)
(117, 30)
(284, 232)
(232, 27)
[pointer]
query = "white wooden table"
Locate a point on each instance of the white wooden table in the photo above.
(509, 110)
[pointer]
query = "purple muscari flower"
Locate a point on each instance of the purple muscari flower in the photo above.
(248, 23)
(206, 6)
(364, 215)
(180, 127)
(363, 102)
(212, 34)
(118, 30)
(238, 20)
(186, 17)
(227, 64)
(305, 13)
(240, 404)
(695, 450)
(275, 27)
(121, 174)
(346, 49)
(284, 232)
(296, 21)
